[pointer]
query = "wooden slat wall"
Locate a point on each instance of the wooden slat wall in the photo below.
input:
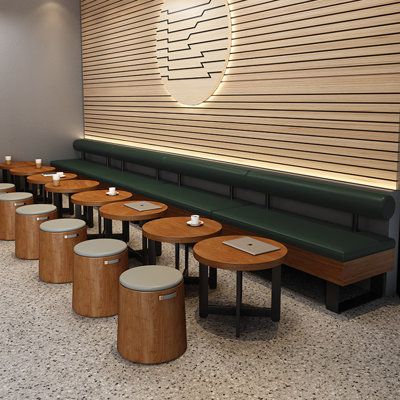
(312, 87)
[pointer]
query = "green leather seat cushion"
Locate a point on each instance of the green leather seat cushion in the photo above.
(330, 240)
(196, 200)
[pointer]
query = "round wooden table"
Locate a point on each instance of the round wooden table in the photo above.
(175, 230)
(38, 181)
(14, 164)
(118, 211)
(215, 254)
(69, 187)
(23, 172)
(96, 198)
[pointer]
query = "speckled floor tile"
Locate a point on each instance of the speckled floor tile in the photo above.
(48, 352)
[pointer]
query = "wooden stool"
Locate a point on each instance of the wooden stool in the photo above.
(151, 318)
(57, 240)
(7, 187)
(98, 263)
(27, 223)
(8, 204)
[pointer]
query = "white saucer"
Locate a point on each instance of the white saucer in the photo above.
(199, 224)
(110, 194)
(62, 176)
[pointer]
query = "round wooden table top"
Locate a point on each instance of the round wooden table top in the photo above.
(120, 212)
(39, 179)
(16, 164)
(72, 186)
(97, 198)
(176, 230)
(214, 253)
(31, 170)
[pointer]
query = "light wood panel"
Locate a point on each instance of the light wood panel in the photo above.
(310, 88)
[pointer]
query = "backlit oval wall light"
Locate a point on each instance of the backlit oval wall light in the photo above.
(193, 47)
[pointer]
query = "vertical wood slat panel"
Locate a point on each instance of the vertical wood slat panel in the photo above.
(311, 88)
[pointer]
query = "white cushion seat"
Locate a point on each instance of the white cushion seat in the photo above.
(6, 186)
(62, 225)
(151, 278)
(36, 209)
(15, 196)
(100, 248)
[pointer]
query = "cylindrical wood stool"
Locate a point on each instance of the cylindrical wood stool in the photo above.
(9, 202)
(98, 263)
(57, 240)
(151, 318)
(27, 223)
(7, 187)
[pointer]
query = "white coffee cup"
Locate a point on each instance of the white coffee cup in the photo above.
(38, 163)
(195, 219)
(60, 174)
(56, 180)
(112, 190)
(7, 159)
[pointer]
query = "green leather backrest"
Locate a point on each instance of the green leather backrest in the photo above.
(368, 202)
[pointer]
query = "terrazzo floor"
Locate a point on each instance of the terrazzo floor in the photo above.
(48, 352)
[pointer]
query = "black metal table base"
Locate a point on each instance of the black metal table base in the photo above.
(205, 308)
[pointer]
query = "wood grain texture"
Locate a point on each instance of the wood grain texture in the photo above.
(39, 179)
(27, 229)
(16, 164)
(119, 212)
(151, 331)
(310, 87)
(96, 285)
(7, 217)
(214, 253)
(56, 254)
(72, 186)
(30, 170)
(97, 198)
(176, 230)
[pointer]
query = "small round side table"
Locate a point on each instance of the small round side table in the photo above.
(175, 230)
(38, 181)
(96, 198)
(215, 254)
(118, 211)
(69, 187)
(14, 164)
(23, 172)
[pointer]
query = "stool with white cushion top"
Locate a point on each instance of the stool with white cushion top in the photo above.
(27, 222)
(7, 187)
(98, 263)
(58, 238)
(9, 202)
(151, 318)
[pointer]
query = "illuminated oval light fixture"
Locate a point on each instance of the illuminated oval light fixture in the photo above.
(193, 47)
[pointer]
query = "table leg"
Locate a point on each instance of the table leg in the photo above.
(203, 291)
(239, 292)
(5, 176)
(186, 270)
(125, 231)
(70, 205)
(78, 212)
(25, 184)
(276, 294)
(158, 249)
(58, 203)
(108, 228)
(99, 221)
(88, 211)
(177, 251)
(213, 278)
(152, 252)
(145, 259)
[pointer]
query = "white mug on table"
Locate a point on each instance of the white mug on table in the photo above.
(112, 191)
(56, 180)
(7, 159)
(195, 219)
(38, 163)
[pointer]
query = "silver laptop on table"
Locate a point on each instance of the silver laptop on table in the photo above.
(142, 205)
(251, 246)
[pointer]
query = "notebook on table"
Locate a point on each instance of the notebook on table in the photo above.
(142, 205)
(251, 246)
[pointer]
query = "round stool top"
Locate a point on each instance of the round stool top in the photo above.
(16, 196)
(100, 248)
(97, 198)
(215, 253)
(36, 209)
(151, 278)
(62, 225)
(6, 186)
(176, 230)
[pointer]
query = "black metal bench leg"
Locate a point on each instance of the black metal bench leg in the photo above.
(276, 294)
(378, 285)
(332, 297)
(203, 291)
(239, 294)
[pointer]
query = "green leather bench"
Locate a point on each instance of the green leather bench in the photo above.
(341, 255)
